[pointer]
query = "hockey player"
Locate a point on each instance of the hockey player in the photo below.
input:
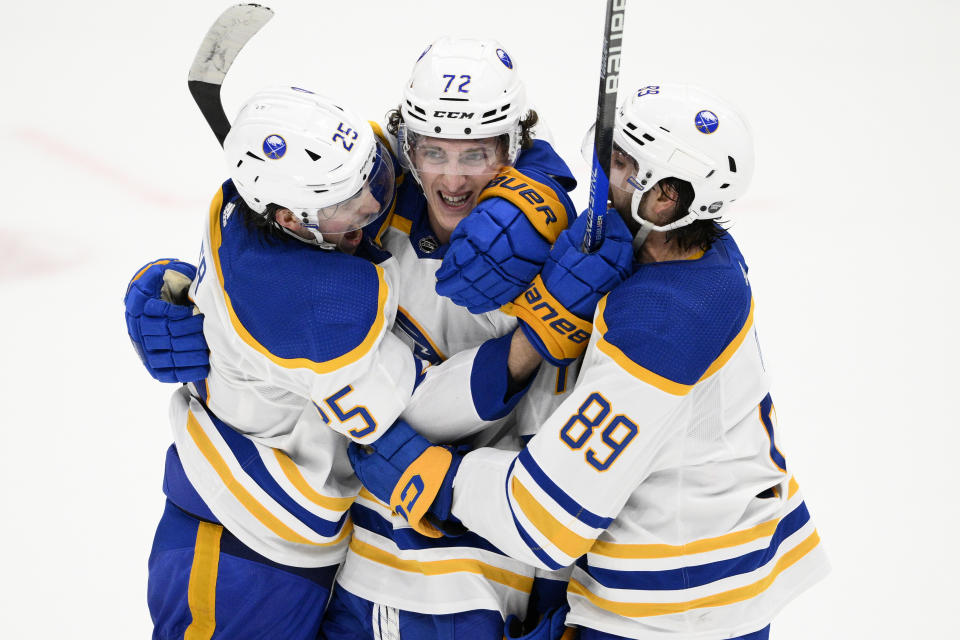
(409, 584)
(660, 477)
(302, 361)
(395, 570)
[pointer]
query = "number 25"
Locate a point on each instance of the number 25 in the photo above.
(345, 132)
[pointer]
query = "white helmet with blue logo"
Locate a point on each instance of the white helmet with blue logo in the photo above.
(306, 153)
(684, 132)
(463, 89)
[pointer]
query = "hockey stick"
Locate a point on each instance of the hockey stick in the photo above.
(224, 40)
(603, 132)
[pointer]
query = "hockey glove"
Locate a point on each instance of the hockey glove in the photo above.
(497, 250)
(411, 475)
(163, 325)
(550, 627)
(556, 311)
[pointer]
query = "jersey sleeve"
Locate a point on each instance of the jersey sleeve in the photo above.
(289, 503)
(556, 496)
(301, 355)
(465, 394)
(554, 499)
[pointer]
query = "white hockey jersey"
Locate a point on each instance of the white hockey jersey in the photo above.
(388, 562)
(660, 477)
(302, 361)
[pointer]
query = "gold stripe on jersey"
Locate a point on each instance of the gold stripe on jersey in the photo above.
(327, 366)
(292, 472)
(366, 495)
(401, 223)
(378, 131)
(443, 567)
(388, 218)
(731, 348)
(649, 551)
(665, 384)
(202, 587)
(256, 509)
(569, 542)
(746, 592)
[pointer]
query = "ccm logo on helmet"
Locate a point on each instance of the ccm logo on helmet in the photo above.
(456, 115)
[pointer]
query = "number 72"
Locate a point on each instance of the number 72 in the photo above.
(460, 88)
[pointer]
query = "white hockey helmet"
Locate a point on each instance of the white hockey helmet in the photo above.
(684, 132)
(304, 152)
(462, 89)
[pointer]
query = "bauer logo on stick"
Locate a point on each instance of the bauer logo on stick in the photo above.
(274, 147)
(706, 122)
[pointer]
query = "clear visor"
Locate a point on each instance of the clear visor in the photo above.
(624, 169)
(430, 155)
(370, 202)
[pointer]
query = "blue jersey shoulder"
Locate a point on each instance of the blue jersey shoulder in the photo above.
(294, 299)
(541, 163)
(542, 158)
(675, 318)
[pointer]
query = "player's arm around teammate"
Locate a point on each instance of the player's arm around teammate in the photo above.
(410, 583)
(661, 476)
(302, 359)
(538, 160)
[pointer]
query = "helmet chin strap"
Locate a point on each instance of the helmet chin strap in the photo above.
(317, 240)
(646, 226)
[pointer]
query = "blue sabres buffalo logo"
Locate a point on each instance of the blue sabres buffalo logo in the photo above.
(274, 146)
(505, 59)
(706, 122)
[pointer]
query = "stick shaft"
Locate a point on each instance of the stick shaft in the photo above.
(603, 132)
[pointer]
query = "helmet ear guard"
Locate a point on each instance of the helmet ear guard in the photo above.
(681, 131)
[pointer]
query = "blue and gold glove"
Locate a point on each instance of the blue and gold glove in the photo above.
(411, 475)
(165, 331)
(496, 251)
(556, 310)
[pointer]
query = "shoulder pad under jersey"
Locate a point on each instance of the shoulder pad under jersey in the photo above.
(675, 319)
(299, 305)
(542, 157)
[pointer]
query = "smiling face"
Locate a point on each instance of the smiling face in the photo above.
(453, 173)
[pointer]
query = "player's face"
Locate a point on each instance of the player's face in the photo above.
(622, 169)
(453, 173)
(342, 227)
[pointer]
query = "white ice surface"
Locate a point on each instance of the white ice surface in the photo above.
(848, 228)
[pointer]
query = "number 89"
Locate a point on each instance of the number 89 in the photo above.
(588, 418)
